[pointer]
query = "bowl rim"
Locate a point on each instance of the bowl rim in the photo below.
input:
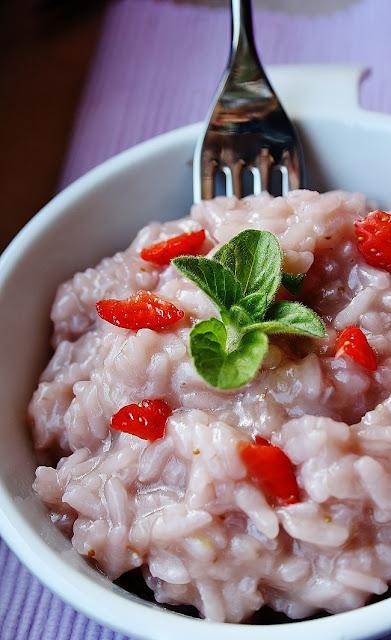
(117, 611)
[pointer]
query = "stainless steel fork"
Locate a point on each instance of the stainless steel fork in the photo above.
(249, 141)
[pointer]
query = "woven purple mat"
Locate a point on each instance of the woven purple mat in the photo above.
(156, 69)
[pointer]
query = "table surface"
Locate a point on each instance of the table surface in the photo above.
(156, 68)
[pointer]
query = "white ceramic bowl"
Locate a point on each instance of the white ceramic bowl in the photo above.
(346, 148)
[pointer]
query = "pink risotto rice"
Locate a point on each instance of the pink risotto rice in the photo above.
(182, 507)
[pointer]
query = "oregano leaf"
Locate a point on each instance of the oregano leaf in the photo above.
(293, 318)
(255, 305)
(254, 257)
(218, 282)
(292, 281)
(222, 369)
(237, 316)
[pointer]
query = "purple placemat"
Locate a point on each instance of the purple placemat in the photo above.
(156, 69)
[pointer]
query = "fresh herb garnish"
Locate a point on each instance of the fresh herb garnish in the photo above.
(292, 281)
(242, 279)
(225, 365)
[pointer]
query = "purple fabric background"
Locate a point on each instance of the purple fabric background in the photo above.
(156, 68)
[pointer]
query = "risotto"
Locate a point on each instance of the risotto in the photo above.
(184, 506)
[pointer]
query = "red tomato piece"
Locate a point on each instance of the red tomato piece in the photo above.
(146, 420)
(185, 244)
(260, 440)
(142, 311)
(270, 468)
(352, 342)
(374, 239)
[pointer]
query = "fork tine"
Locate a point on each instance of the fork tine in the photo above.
(209, 170)
(237, 170)
(233, 178)
(264, 162)
(290, 168)
(284, 180)
(257, 181)
(229, 187)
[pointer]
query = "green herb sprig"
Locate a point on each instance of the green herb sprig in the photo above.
(242, 279)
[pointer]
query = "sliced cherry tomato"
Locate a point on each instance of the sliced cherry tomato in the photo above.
(142, 311)
(374, 239)
(260, 440)
(185, 244)
(146, 420)
(270, 468)
(352, 342)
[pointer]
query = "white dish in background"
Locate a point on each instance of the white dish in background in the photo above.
(345, 146)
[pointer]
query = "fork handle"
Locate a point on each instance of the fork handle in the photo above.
(242, 29)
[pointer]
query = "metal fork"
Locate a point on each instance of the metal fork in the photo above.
(248, 141)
